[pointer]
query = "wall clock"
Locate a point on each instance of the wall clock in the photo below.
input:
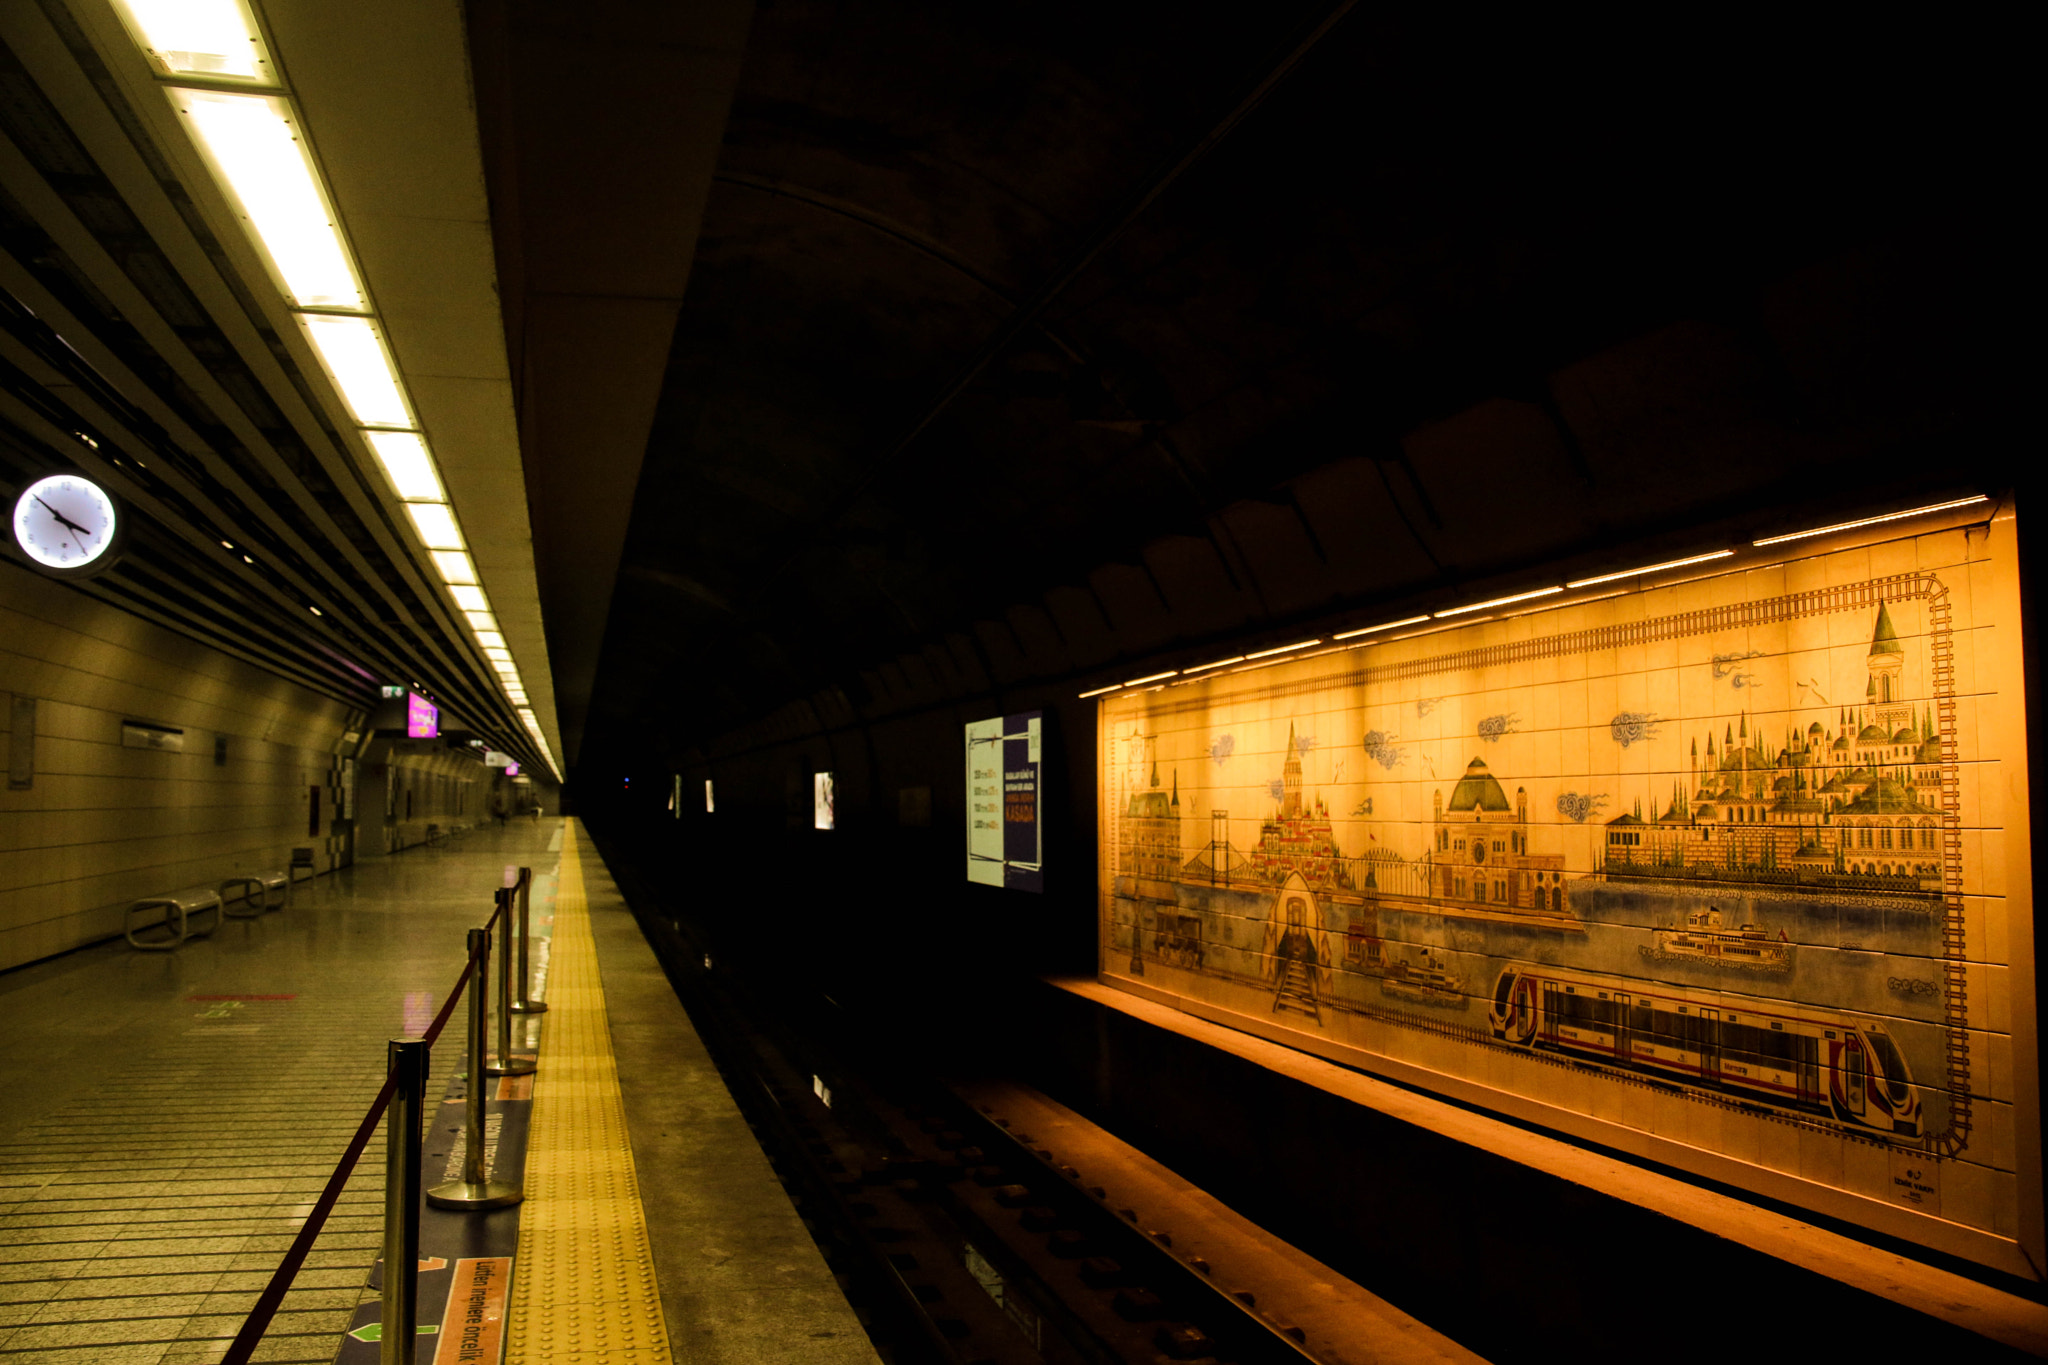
(68, 526)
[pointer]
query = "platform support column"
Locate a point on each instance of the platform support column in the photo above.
(506, 1064)
(524, 1003)
(476, 1190)
(400, 1316)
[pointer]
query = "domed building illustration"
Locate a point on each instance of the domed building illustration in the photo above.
(1479, 852)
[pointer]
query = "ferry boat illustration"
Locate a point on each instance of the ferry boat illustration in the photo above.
(1708, 942)
(1427, 981)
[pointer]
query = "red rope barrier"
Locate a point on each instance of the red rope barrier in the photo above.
(448, 1005)
(258, 1321)
(268, 1302)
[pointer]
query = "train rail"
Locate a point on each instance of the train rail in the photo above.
(966, 1233)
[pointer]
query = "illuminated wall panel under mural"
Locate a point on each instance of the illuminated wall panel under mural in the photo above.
(1731, 873)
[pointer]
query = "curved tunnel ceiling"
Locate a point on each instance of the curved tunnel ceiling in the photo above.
(1074, 334)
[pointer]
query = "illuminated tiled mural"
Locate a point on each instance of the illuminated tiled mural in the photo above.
(1729, 872)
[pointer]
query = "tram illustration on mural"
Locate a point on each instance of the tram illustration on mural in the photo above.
(1742, 885)
(1797, 1058)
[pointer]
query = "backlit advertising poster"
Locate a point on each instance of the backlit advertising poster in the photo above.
(823, 813)
(422, 717)
(1004, 847)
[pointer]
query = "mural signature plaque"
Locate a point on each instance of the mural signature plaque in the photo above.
(1776, 934)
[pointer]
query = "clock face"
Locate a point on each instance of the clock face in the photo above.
(65, 523)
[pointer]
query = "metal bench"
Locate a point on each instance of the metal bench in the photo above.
(254, 894)
(302, 858)
(179, 910)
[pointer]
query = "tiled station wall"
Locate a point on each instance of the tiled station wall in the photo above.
(102, 824)
(405, 786)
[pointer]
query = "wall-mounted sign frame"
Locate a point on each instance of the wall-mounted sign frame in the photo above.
(1005, 829)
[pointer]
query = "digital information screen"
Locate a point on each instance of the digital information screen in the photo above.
(1003, 843)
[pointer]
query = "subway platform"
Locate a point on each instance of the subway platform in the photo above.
(171, 1117)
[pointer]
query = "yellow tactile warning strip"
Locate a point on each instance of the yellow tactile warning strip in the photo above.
(583, 1290)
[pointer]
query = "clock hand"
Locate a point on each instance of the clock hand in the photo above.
(61, 518)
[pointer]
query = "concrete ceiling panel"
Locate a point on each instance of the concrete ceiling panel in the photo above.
(1044, 648)
(1287, 568)
(1136, 614)
(1006, 661)
(1090, 640)
(1371, 550)
(1198, 587)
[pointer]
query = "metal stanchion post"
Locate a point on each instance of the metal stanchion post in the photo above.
(400, 1325)
(476, 1190)
(523, 1002)
(505, 1064)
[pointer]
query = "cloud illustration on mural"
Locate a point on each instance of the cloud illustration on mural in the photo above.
(1632, 727)
(1222, 747)
(1278, 788)
(1493, 727)
(1578, 806)
(1381, 749)
(1729, 666)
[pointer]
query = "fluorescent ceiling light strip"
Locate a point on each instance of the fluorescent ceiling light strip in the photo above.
(1436, 630)
(1100, 690)
(1649, 568)
(481, 621)
(198, 37)
(1282, 649)
(1384, 625)
(1154, 677)
(1498, 601)
(436, 525)
(1873, 521)
(490, 639)
(354, 355)
(454, 567)
(407, 464)
(1562, 606)
(498, 654)
(258, 152)
(470, 598)
(1233, 659)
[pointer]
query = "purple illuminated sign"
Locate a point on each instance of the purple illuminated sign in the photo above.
(422, 717)
(511, 770)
